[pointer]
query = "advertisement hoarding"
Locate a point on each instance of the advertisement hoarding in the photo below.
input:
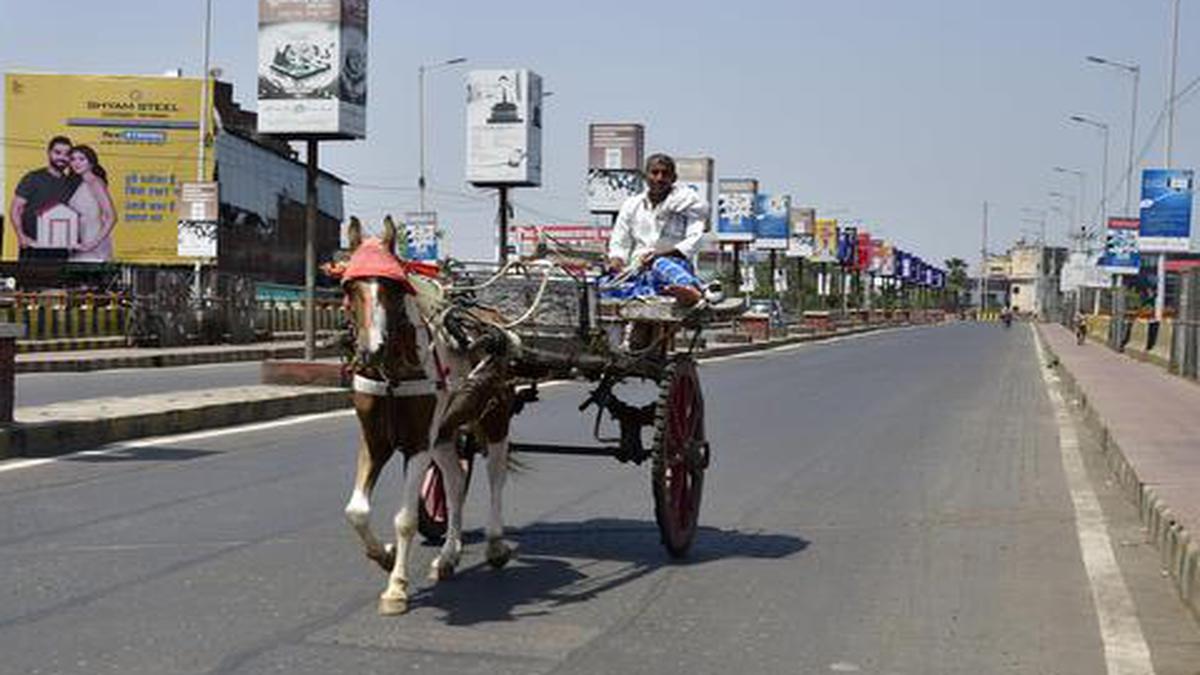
(825, 240)
(312, 67)
(735, 209)
(579, 238)
(421, 239)
(1082, 269)
(847, 245)
(616, 147)
(863, 252)
(801, 221)
(887, 259)
(771, 221)
(139, 136)
(1166, 210)
(504, 127)
(198, 217)
(697, 173)
(1121, 252)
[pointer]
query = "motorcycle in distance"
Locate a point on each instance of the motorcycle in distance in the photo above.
(1007, 317)
(1080, 331)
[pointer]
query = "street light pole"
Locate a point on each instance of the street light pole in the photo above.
(1080, 119)
(1078, 205)
(421, 121)
(1160, 290)
(1136, 71)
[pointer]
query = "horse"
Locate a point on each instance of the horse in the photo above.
(424, 371)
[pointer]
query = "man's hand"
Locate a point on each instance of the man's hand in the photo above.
(615, 265)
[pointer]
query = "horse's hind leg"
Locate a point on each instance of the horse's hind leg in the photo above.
(453, 479)
(358, 508)
(498, 552)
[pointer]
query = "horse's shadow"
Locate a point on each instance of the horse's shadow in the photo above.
(547, 572)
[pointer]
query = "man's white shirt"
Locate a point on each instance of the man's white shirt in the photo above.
(677, 223)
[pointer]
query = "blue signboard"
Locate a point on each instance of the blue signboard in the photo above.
(1166, 210)
(771, 216)
(735, 209)
(1122, 254)
(420, 229)
(847, 246)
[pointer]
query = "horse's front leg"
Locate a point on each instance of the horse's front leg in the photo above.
(371, 461)
(394, 599)
(498, 552)
(453, 482)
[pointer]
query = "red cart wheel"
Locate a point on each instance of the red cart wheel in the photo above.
(431, 513)
(680, 456)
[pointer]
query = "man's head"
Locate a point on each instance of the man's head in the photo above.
(58, 153)
(660, 175)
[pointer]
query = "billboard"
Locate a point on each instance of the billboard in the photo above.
(584, 239)
(801, 221)
(616, 147)
(199, 208)
(1166, 210)
(421, 238)
(504, 127)
(110, 191)
(697, 173)
(886, 253)
(863, 252)
(847, 243)
(1121, 252)
(312, 67)
(771, 221)
(825, 240)
(735, 209)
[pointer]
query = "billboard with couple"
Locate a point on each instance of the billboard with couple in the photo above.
(94, 165)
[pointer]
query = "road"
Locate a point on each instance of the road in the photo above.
(891, 503)
(35, 389)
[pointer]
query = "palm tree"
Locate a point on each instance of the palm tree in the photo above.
(957, 279)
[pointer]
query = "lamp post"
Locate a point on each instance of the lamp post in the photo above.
(1160, 291)
(1078, 204)
(421, 70)
(1080, 119)
(1136, 71)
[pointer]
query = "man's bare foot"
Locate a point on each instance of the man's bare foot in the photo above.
(684, 295)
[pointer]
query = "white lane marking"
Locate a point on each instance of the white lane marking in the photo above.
(17, 464)
(1125, 648)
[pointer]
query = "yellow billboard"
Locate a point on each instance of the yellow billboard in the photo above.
(94, 164)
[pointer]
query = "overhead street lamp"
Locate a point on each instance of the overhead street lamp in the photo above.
(421, 70)
(1082, 176)
(1080, 119)
(1136, 71)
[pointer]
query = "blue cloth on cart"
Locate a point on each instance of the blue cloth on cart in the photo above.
(663, 272)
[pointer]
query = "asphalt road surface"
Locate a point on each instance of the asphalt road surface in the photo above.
(891, 503)
(35, 389)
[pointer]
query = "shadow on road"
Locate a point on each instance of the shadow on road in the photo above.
(552, 567)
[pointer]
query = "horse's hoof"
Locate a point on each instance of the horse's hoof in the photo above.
(386, 559)
(441, 571)
(389, 606)
(498, 553)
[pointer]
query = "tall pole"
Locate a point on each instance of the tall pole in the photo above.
(310, 253)
(421, 138)
(503, 218)
(1137, 76)
(1160, 294)
(983, 290)
(201, 157)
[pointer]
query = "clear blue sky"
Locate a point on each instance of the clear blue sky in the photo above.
(906, 115)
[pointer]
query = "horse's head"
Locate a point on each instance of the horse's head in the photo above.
(384, 320)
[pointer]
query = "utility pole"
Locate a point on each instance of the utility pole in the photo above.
(1160, 295)
(201, 159)
(983, 287)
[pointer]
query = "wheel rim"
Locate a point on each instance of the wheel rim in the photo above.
(683, 430)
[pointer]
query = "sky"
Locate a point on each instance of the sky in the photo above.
(906, 116)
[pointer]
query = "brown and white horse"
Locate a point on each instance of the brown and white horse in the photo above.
(417, 386)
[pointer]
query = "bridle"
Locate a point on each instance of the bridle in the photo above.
(382, 385)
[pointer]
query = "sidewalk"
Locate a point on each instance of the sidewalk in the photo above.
(150, 357)
(1151, 428)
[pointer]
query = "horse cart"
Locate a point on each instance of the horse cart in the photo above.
(568, 332)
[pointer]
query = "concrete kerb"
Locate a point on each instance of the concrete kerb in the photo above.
(62, 437)
(1180, 555)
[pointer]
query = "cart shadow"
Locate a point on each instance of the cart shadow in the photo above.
(551, 570)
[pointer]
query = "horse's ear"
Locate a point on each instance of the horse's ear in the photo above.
(389, 233)
(354, 233)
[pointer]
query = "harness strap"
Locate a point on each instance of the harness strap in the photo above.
(405, 389)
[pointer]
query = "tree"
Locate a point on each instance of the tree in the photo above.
(956, 279)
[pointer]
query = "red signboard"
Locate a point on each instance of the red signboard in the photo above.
(862, 262)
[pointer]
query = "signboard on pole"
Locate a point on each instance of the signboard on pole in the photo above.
(198, 219)
(847, 245)
(771, 214)
(1121, 252)
(863, 252)
(801, 221)
(312, 67)
(1166, 210)
(735, 209)
(697, 174)
(607, 190)
(1082, 270)
(420, 230)
(825, 240)
(504, 128)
